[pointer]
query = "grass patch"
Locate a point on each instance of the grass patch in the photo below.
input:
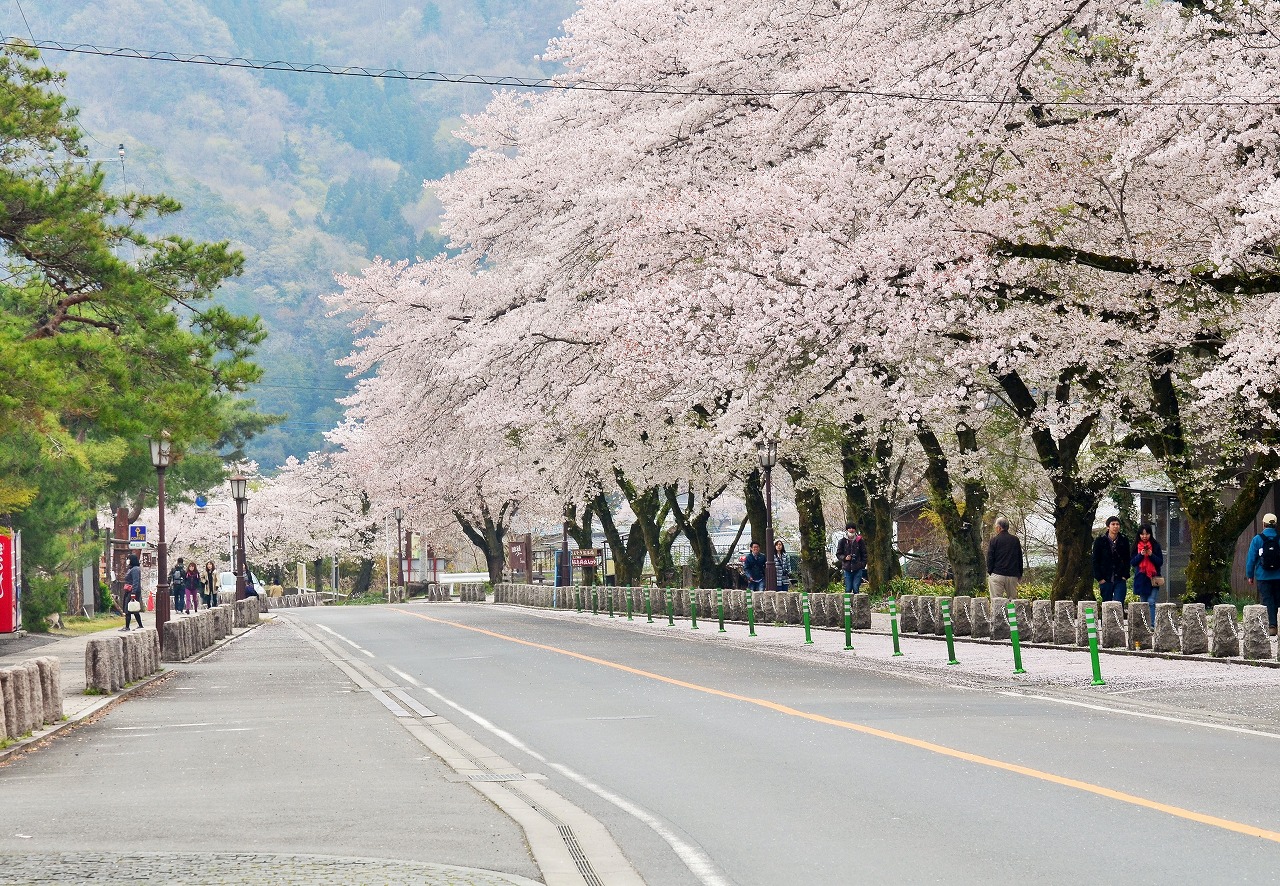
(361, 600)
(78, 625)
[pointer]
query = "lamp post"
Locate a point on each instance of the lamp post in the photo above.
(398, 513)
(161, 453)
(240, 492)
(768, 452)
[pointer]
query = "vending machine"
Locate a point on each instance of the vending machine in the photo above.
(10, 585)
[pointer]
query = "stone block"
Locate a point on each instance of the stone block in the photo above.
(1041, 627)
(1165, 633)
(1226, 639)
(12, 723)
(1082, 620)
(961, 626)
(1195, 629)
(926, 607)
(820, 609)
(833, 609)
(1111, 632)
(1257, 640)
(766, 606)
(1022, 610)
(1000, 619)
(793, 608)
(51, 684)
(861, 612)
(980, 616)
(1064, 623)
(908, 617)
(171, 642)
(1140, 635)
(22, 699)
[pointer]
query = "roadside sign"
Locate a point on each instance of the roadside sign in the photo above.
(201, 504)
(585, 558)
(137, 532)
(8, 602)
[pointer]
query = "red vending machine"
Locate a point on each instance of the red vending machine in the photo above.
(10, 613)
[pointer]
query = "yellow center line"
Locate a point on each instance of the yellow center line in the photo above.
(1177, 811)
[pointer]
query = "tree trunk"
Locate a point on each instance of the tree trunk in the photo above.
(581, 531)
(318, 563)
(815, 561)
(871, 477)
(757, 512)
(962, 525)
(694, 523)
(364, 578)
(628, 555)
(651, 509)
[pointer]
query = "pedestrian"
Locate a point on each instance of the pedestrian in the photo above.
(781, 565)
(1111, 562)
(132, 602)
(851, 554)
(1263, 566)
(1004, 562)
(249, 589)
(210, 584)
(178, 585)
(753, 568)
(191, 582)
(1147, 561)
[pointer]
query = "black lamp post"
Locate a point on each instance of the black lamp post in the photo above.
(398, 513)
(161, 454)
(768, 452)
(240, 492)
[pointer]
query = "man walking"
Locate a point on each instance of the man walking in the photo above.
(1263, 566)
(851, 554)
(1111, 562)
(1004, 562)
(753, 568)
(178, 585)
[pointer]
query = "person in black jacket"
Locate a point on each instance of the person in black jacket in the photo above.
(851, 554)
(1111, 562)
(132, 592)
(1004, 562)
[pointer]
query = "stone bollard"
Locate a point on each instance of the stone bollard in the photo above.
(1111, 635)
(861, 611)
(1064, 626)
(1000, 618)
(7, 691)
(1257, 640)
(4, 714)
(35, 692)
(793, 608)
(1041, 627)
(961, 626)
(1195, 629)
(925, 614)
(935, 612)
(1139, 631)
(51, 683)
(1165, 633)
(734, 607)
(171, 645)
(766, 607)
(1022, 608)
(980, 616)
(21, 700)
(908, 618)
(1226, 640)
(1082, 621)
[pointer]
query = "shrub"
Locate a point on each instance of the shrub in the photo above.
(42, 596)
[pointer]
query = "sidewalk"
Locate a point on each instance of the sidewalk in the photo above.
(257, 763)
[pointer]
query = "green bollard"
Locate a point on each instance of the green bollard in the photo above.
(751, 615)
(693, 608)
(671, 608)
(804, 611)
(595, 601)
(628, 596)
(610, 598)
(720, 607)
(946, 626)
(1093, 647)
(848, 621)
(893, 625)
(648, 606)
(1013, 636)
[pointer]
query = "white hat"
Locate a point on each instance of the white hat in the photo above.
(1268, 519)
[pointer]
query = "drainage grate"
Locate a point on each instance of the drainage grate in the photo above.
(571, 843)
(493, 776)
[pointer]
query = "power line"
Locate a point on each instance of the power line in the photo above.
(550, 83)
(22, 12)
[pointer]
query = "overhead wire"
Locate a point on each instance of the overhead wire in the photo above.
(564, 83)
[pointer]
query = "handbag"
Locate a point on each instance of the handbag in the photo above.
(134, 606)
(1157, 581)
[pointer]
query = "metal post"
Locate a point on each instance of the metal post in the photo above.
(241, 571)
(1092, 626)
(162, 558)
(609, 597)
(1013, 636)
(693, 608)
(595, 601)
(848, 621)
(893, 625)
(648, 606)
(751, 614)
(399, 548)
(770, 567)
(946, 626)
(671, 607)
(804, 612)
(628, 596)
(720, 607)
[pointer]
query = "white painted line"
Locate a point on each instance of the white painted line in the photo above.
(166, 726)
(345, 640)
(697, 861)
(414, 705)
(1097, 707)
(403, 676)
(389, 704)
(365, 651)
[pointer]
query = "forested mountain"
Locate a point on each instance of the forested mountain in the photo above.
(308, 175)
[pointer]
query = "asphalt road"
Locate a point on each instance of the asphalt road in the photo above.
(798, 769)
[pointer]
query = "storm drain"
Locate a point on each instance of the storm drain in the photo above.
(493, 776)
(571, 843)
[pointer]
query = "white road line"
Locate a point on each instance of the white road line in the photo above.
(166, 726)
(1097, 707)
(345, 640)
(403, 676)
(697, 861)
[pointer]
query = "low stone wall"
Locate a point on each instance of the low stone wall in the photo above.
(189, 635)
(434, 592)
(472, 593)
(289, 601)
(825, 610)
(113, 662)
(30, 696)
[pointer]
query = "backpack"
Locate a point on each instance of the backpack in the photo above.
(1270, 552)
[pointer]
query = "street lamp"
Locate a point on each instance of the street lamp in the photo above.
(399, 515)
(768, 453)
(161, 455)
(240, 492)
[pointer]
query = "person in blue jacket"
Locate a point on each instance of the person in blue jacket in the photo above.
(753, 568)
(1147, 562)
(1263, 566)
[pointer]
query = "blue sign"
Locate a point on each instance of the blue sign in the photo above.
(201, 501)
(137, 532)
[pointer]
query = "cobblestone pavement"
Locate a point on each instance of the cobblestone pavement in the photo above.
(247, 868)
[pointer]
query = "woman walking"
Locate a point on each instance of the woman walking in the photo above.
(192, 584)
(210, 584)
(781, 565)
(132, 602)
(1147, 561)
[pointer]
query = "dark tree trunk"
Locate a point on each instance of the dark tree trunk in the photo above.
(488, 534)
(815, 561)
(582, 532)
(318, 563)
(694, 521)
(628, 554)
(364, 578)
(651, 509)
(962, 524)
(757, 512)
(871, 476)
